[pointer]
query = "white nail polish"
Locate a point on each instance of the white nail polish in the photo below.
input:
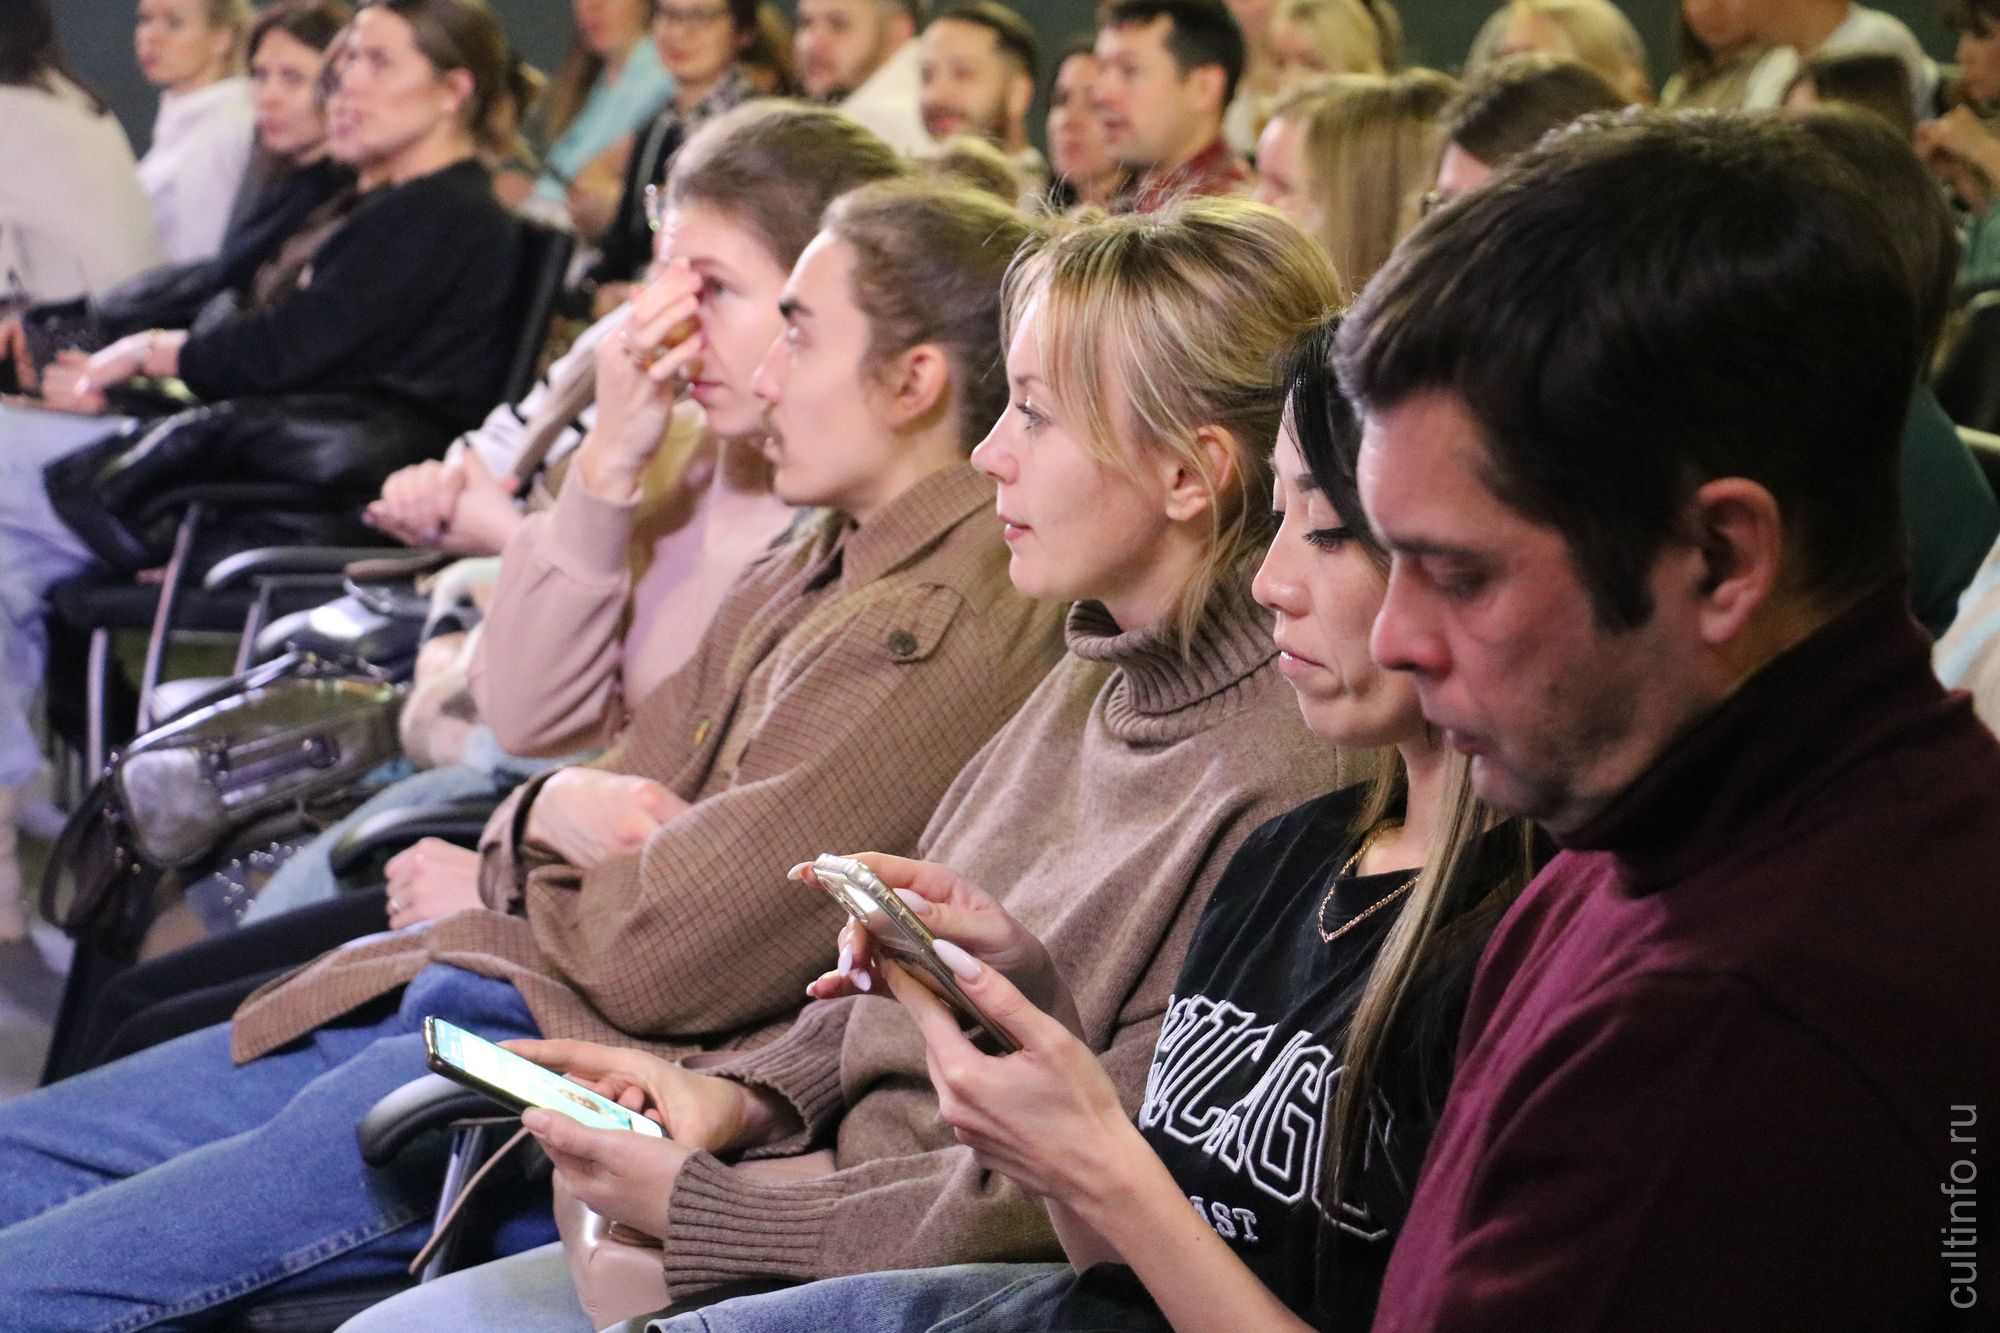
(863, 981)
(846, 958)
(959, 961)
(916, 902)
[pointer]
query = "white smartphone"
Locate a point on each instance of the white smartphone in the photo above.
(517, 1083)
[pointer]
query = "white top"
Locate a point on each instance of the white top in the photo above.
(201, 146)
(1863, 29)
(73, 220)
(886, 102)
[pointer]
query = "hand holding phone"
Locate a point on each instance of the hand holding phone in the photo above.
(902, 937)
(518, 1084)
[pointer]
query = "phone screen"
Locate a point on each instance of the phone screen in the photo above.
(495, 1070)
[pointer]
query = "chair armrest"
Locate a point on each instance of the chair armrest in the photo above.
(284, 561)
(419, 1106)
(392, 830)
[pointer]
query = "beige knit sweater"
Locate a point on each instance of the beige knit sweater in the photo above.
(1102, 814)
(835, 696)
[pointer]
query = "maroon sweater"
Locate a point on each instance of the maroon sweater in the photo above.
(1723, 1054)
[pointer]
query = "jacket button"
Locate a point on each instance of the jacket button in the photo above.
(902, 645)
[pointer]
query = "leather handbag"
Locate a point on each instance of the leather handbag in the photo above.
(182, 789)
(339, 446)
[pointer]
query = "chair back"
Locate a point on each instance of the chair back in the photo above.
(1968, 383)
(544, 261)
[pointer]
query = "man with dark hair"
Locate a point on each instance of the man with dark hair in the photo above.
(862, 54)
(1502, 113)
(1631, 414)
(1166, 71)
(976, 75)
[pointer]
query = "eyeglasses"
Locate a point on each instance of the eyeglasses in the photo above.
(1432, 201)
(656, 207)
(673, 16)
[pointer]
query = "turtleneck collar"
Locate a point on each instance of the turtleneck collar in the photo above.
(1162, 693)
(1741, 773)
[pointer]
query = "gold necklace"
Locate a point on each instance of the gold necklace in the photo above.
(1374, 835)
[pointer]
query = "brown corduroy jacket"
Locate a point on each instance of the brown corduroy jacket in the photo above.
(836, 694)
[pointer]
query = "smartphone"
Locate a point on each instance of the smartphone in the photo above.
(901, 935)
(517, 1083)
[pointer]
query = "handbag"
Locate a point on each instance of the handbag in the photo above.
(277, 738)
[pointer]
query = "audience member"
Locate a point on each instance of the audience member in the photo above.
(610, 84)
(1874, 81)
(1949, 509)
(1977, 26)
(1081, 164)
(1505, 111)
(402, 315)
(1267, 1018)
(73, 220)
(192, 51)
(1311, 39)
(1691, 659)
(976, 75)
(1166, 69)
(888, 630)
(1797, 30)
(1132, 466)
(1593, 33)
(599, 600)
(862, 54)
(708, 49)
(303, 191)
(1717, 54)
(1349, 160)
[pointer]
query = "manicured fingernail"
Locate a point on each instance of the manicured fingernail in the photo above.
(958, 960)
(846, 958)
(797, 874)
(862, 981)
(917, 903)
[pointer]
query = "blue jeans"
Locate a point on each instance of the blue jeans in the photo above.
(37, 550)
(528, 1293)
(993, 1298)
(155, 1189)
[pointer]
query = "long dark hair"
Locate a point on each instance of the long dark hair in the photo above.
(30, 54)
(313, 23)
(1403, 1027)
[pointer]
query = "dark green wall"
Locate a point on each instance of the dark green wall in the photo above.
(97, 34)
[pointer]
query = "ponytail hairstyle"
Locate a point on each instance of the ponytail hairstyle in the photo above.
(1414, 995)
(931, 259)
(1189, 312)
(774, 166)
(463, 34)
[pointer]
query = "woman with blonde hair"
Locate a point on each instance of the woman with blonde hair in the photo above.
(1145, 362)
(1311, 39)
(1305, 1056)
(1594, 33)
(192, 51)
(1349, 159)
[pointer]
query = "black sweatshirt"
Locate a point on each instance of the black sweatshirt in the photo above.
(413, 297)
(1248, 1057)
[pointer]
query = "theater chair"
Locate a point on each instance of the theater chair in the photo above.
(1968, 381)
(245, 590)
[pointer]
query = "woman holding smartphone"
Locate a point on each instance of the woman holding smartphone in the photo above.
(1132, 465)
(1309, 1046)
(886, 629)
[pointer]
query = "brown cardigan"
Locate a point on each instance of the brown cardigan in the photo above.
(836, 693)
(1102, 815)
